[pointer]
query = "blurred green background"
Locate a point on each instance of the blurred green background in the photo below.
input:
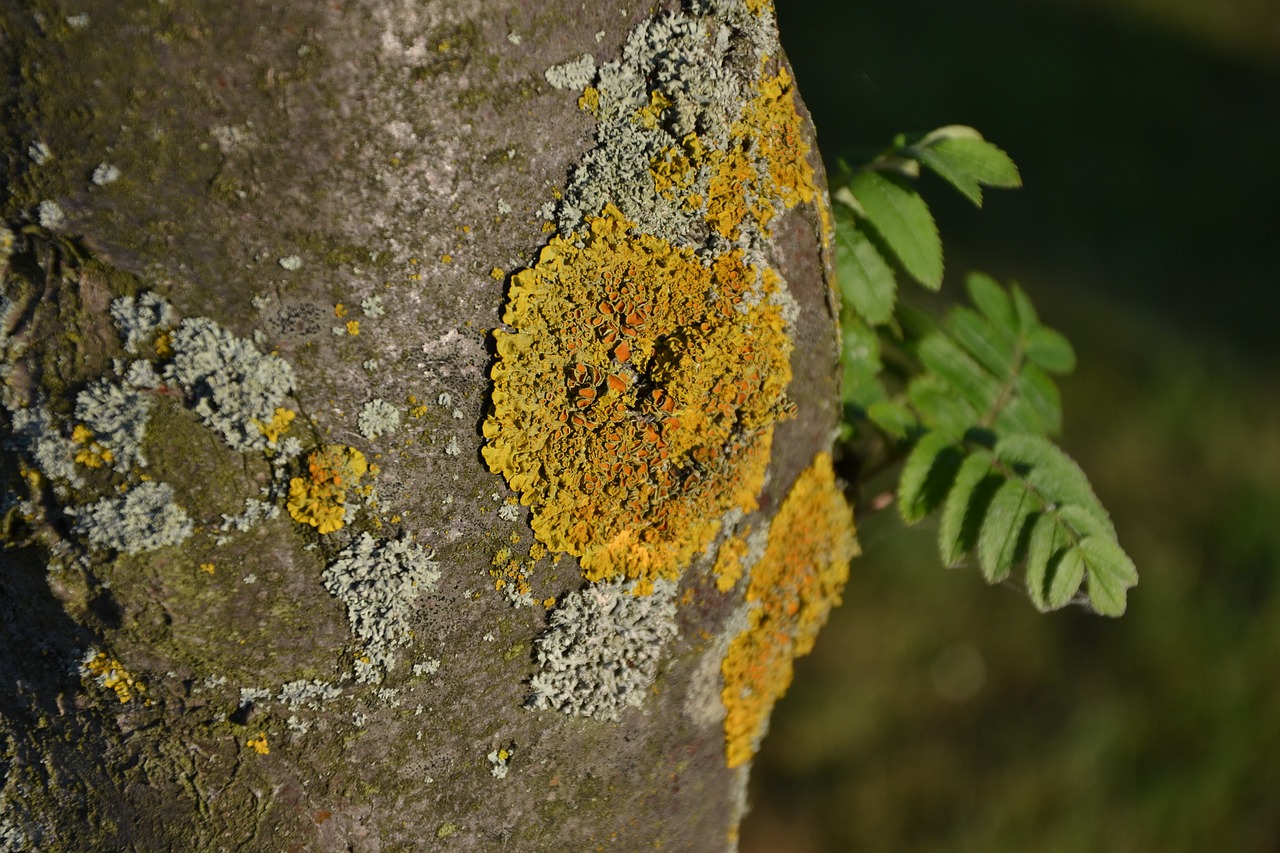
(937, 713)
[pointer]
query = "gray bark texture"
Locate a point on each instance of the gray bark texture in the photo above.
(218, 212)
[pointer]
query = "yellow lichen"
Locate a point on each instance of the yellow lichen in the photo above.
(207, 568)
(339, 310)
(278, 425)
(164, 345)
(728, 567)
(319, 498)
(353, 327)
(259, 744)
(635, 395)
(111, 674)
(91, 454)
(792, 589)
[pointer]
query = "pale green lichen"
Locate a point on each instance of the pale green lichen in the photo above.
(117, 416)
(379, 582)
(140, 319)
(600, 654)
(236, 387)
(377, 418)
(143, 519)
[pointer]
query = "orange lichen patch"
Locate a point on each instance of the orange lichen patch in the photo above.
(259, 744)
(629, 454)
(111, 674)
(793, 587)
(728, 567)
(318, 499)
(278, 425)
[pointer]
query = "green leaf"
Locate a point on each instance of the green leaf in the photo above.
(1044, 549)
(1041, 395)
(893, 418)
(927, 476)
(991, 346)
(1050, 350)
(861, 384)
(939, 406)
(904, 222)
(993, 302)
(1002, 542)
(1111, 572)
(968, 164)
(1066, 573)
(866, 281)
(971, 493)
(1028, 321)
(943, 357)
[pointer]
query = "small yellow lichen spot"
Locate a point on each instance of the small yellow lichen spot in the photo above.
(590, 100)
(497, 274)
(446, 259)
(793, 587)
(259, 744)
(417, 411)
(548, 227)
(728, 567)
(278, 425)
(666, 373)
(111, 674)
(339, 310)
(207, 568)
(353, 327)
(549, 602)
(164, 345)
(537, 551)
(80, 434)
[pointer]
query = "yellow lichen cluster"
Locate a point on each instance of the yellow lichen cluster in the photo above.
(111, 674)
(89, 452)
(728, 567)
(259, 744)
(635, 396)
(319, 498)
(510, 574)
(792, 589)
(277, 426)
(769, 160)
(766, 161)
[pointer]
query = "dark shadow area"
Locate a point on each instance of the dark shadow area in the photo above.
(937, 713)
(1149, 163)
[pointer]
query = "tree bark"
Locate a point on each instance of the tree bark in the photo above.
(354, 196)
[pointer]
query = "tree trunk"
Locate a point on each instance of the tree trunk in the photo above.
(399, 453)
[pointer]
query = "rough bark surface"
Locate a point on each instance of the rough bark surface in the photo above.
(260, 164)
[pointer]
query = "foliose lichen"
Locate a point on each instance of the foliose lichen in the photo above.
(635, 396)
(601, 652)
(791, 590)
(117, 415)
(236, 387)
(140, 319)
(379, 582)
(320, 498)
(142, 519)
(110, 674)
(378, 417)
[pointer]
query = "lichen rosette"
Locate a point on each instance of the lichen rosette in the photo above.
(635, 394)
